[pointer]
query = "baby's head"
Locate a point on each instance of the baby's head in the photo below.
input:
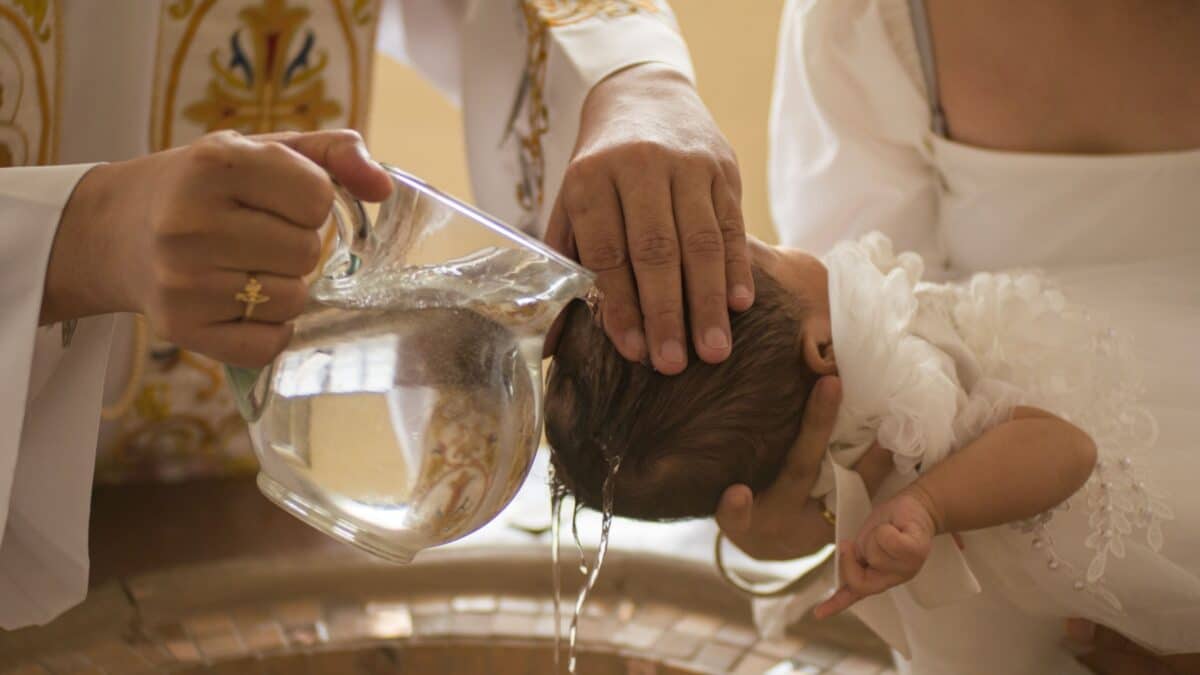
(682, 439)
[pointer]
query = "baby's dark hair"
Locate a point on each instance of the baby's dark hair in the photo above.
(681, 439)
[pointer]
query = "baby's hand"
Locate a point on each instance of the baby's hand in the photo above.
(890, 549)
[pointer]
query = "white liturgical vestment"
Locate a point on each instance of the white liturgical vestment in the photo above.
(83, 81)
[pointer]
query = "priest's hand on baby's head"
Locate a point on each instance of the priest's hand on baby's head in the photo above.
(890, 549)
(651, 200)
(681, 439)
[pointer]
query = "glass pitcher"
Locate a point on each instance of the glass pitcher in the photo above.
(406, 410)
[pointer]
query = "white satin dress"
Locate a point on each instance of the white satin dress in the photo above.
(854, 151)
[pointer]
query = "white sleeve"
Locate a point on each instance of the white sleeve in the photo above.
(49, 410)
(477, 52)
(428, 37)
(850, 129)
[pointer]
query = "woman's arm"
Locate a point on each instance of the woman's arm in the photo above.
(1017, 470)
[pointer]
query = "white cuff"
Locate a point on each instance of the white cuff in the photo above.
(49, 410)
(598, 48)
(31, 202)
(579, 55)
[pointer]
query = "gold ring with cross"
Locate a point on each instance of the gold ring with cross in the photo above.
(251, 295)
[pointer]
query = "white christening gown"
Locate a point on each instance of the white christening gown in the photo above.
(927, 368)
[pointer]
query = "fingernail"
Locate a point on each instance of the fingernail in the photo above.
(741, 293)
(715, 338)
(635, 343)
(672, 352)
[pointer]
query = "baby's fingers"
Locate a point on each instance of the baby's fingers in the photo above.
(852, 573)
(880, 557)
(906, 549)
(836, 604)
(858, 580)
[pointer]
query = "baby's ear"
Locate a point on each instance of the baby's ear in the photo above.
(818, 346)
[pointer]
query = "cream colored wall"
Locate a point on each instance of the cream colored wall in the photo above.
(732, 44)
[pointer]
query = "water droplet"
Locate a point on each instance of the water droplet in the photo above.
(592, 298)
(557, 493)
(583, 566)
(593, 572)
(1053, 564)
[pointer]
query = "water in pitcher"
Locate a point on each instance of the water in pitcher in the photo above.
(407, 403)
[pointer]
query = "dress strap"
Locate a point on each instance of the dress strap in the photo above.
(924, 40)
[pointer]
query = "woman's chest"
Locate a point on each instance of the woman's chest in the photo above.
(1066, 77)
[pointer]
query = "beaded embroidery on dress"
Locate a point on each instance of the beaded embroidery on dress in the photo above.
(929, 368)
(1063, 360)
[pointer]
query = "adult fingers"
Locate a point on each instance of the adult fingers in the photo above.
(703, 253)
(804, 458)
(738, 277)
(267, 176)
(185, 302)
(245, 344)
(558, 237)
(343, 155)
(254, 241)
(735, 511)
(283, 298)
(654, 251)
(593, 207)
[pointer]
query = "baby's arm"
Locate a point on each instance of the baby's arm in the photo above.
(1016, 470)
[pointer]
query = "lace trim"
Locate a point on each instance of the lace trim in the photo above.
(1120, 501)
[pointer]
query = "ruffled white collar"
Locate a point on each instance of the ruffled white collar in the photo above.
(896, 387)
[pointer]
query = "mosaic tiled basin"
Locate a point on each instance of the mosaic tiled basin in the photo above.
(462, 611)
